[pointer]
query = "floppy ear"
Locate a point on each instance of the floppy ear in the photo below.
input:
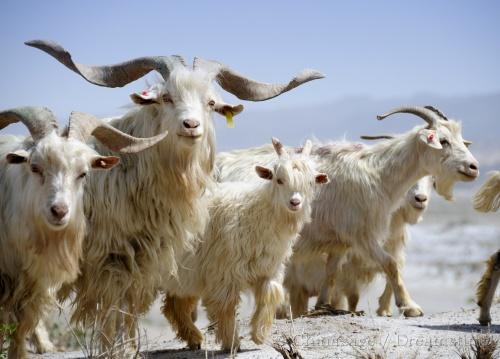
(322, 178)
(104, 162)
(430, 138)
(16, 157)
(146, 97)
(264, 172)
(224, 109)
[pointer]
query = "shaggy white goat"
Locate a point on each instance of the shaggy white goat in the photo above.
(367, 184)
(304, 278)
(488, 199)
(249, 236)
(41, 211)
(154, 204)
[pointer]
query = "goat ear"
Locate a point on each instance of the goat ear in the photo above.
(17, 157)
(147, 97)
(264, 172)
(224, 109)
(322, 178)
(105, 162)
(430, 138)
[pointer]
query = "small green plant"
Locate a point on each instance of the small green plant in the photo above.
(6, 331)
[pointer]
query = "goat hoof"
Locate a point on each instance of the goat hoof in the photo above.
(484, 322)
(384, 313)
(194, 346)
(413, 312)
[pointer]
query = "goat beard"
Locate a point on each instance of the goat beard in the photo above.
(444, 187)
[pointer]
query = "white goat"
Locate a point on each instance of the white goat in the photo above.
(488, 199)
(304, 278)
(41, 211)
(367, 184)
(155, 204)
(252, 228)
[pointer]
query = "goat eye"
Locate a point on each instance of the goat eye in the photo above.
(36, 169)
(444, 142)
(83, 175)
(279, 181)
(166, 98)
(211, 103)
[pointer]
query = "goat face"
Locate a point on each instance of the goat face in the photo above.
(185, 103)
(56, 169)
(448, 158)
(293, 181)
(417, 199)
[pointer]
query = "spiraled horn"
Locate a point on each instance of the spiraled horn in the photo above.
(40, 121)
(425, 114)
(377, 137)
(438, 112)
(247, 89)
(82, 126)
(117, 75)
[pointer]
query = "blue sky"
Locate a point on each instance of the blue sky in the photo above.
(381, 49)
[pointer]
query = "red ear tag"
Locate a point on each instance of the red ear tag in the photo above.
(144, 93)
(430, 137)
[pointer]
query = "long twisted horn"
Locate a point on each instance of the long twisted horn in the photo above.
(425, 114)
(40, 121)
(82, 126)
(117, 75)
(247, 89)
(437, 111)
(377, 137)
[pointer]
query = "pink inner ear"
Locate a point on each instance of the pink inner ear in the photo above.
(430, 138)
(144, 93)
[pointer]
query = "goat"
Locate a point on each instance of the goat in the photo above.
(367, 184)
(41, 210)
(485, 200)
(155, 205)
(304, 278)
(250, 235)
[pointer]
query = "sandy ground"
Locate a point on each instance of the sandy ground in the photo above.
(439, 335)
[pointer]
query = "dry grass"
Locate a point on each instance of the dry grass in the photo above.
(288, 348)
(87, 340)
(483, 346)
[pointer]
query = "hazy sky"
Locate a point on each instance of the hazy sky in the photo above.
(376, 48)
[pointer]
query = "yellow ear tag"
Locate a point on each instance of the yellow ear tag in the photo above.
(229, 119)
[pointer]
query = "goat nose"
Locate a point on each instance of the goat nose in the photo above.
(420, 198)
(190, 123)
(59, 211)
(473, 167)
(295, 201)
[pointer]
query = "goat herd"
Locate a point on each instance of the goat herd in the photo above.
(110, 214)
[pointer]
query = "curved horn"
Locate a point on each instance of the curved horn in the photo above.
(377, 137)
(306, 150)
(425, 114)
(117, 75)
(40, 121)
(438, 112)
(247, 89)
(82, 126)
